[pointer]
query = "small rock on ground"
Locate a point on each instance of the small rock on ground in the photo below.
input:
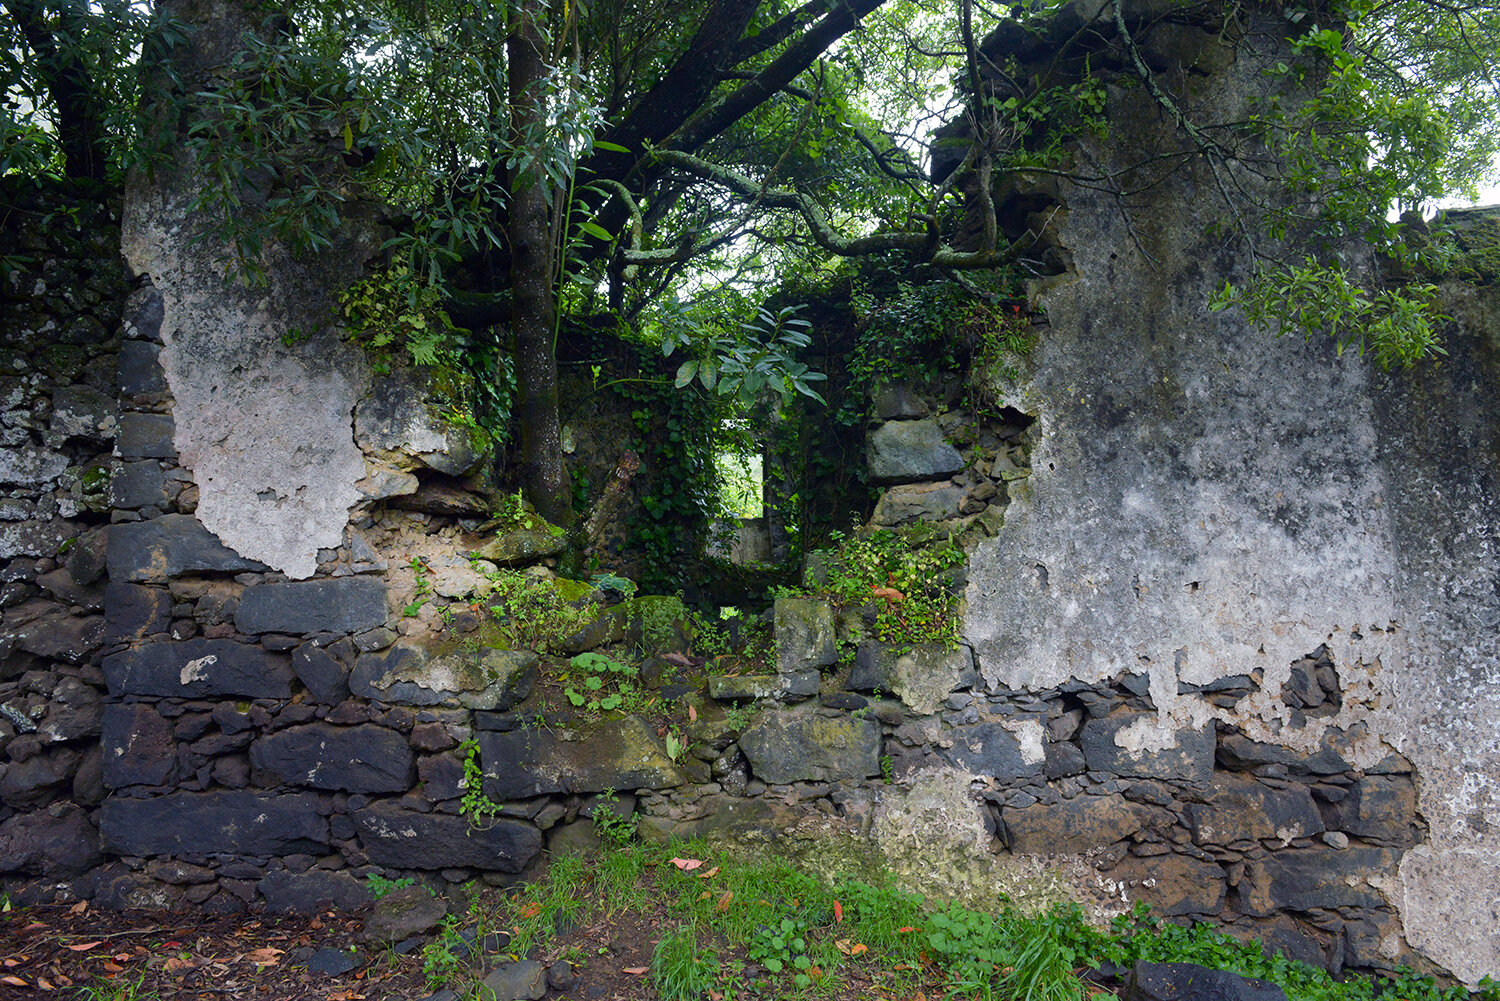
(523, 981)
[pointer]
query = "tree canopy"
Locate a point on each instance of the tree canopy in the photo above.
(582, 157)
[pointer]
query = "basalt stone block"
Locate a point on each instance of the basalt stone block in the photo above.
(804, 635)
(406, 839)
(420, 674)
(921, 676)
(1239, 753)
(907, 451)
(798, 746)
(341, 605)
(991, 750)
(1063, 759)
(327, 679)
(197, 668)
(1071, 825)
(140, 369)
(63, 636)
(1303, 879)
(1172, 884)
(918, 502)
(363, 759)
(138, 746)
(135, 611)
(57, 841)
(1242, 809)
(146, 436)
(1379, 808)
(620, 755)
(749, 687)
(202, 823)
(312, 891)
(1188, 982)
(144, 312)
(138, 484)
(157, 550)
(87, 560)
(1191, 760)
(38, 779)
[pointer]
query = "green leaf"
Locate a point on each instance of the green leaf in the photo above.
(685, 373)
(611, 147)
(595, 230)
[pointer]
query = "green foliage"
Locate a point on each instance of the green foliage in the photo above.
(761, 354)
(916, 325)
(380, 886)
(603, 684)
(608, 581)
(533, 615)
(923, 608)
(681, 969)
(1396, 326)
(613, 828)
(1391, 121)
(391, 306)
(475, 805)
(443, 961)
(783, 946)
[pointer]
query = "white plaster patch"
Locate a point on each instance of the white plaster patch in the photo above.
(1031, 737)
(194, 670)
(265, 428)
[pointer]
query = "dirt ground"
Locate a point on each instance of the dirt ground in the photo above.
(81, 952)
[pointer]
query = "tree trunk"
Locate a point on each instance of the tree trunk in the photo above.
(532, 313)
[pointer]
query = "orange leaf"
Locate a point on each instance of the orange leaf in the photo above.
(14, 981)
(687, 864)
(265, 957)
(838, 911)
(859, 948)
(12, 962)
(888, 593)
(79, 908)
(692, 715)
(709, 873)
(715, 996)
(906, 929)
(83, 946)
(177, 964)
(112, 967)
(635, 970)
(723, 904)
(123, 957)
(530, 910)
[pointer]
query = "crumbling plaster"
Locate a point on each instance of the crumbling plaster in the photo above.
(1208, 500)
(264, 426)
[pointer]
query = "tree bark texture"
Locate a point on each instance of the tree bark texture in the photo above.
(530, 279)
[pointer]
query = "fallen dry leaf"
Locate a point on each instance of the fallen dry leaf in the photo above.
(265, 957)
(723, 904)
(79, 908)
(888, 593)
(858, 949)
(45, 984)
(14, 981)
(838, 912)
(635, 970)
(176, 964)
(530, 910)
(687, 864)
(84, 946)
(692, 715)
(709, 873)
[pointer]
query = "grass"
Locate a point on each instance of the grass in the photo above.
(732, 925)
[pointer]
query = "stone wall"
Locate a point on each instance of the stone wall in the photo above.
(1230, 607)
(59, 341)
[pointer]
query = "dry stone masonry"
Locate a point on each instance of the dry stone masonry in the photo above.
(1227, 645)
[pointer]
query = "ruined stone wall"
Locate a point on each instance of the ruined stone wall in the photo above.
(1230, 622)
(59, 344)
